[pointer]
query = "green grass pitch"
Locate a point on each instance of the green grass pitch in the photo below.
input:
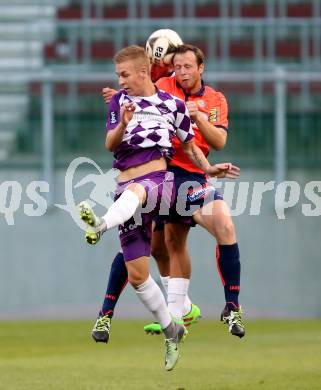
(61, 355)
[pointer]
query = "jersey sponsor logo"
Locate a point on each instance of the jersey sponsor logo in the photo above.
(199, 193)
(113, 117)
(148, 116)
(213, 115)
(201, 103)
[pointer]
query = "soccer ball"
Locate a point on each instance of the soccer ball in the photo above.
(161, 46)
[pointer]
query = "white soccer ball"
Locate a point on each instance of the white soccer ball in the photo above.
(161, 46)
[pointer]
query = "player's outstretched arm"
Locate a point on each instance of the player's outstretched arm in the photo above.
(196, 155)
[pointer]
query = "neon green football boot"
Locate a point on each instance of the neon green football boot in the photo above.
(95, 225)
(188, 319)
(172, 352)
(153, 328)
(193, 316)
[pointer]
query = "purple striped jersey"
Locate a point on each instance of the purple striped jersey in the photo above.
(157, 119)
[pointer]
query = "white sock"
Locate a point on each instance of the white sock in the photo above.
(177, 291)
(164, 280)
(151, 296)
(187, 305)
(121, 210)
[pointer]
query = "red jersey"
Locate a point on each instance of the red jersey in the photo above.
(211, 103)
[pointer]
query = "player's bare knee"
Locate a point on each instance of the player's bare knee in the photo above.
(136, 277)
(136, 280)
(139, 190)
(225, 231)
(160, 253)
(172, 243)
(169, 239)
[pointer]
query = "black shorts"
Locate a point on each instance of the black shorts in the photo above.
(193, 191)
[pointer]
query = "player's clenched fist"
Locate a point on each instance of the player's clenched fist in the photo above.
(108, 93)
(192, 109)
(127, 112)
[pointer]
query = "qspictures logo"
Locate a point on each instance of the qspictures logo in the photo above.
(242, 197)
(102, 183)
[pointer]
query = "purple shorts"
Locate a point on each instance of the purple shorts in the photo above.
(135, 234)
